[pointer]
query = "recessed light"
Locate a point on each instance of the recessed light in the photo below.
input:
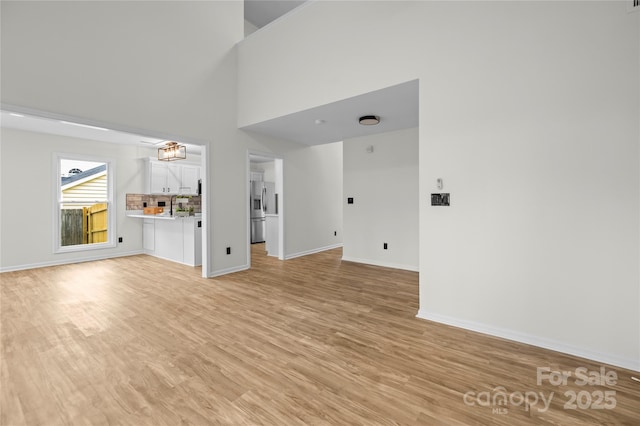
(85, 126)
(369, 120)
(320, 121)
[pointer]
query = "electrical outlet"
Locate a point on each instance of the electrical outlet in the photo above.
(335, 233)
(228, 250)
(384, 246)
(119, 239)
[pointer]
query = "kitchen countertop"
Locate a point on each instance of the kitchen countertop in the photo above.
(162, 216)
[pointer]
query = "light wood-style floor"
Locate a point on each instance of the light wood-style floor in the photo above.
(313, 340)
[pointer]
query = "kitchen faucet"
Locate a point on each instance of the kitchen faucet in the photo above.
(171, 205)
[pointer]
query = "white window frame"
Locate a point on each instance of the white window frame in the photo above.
(57, 202)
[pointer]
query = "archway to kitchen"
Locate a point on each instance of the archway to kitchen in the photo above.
(143, 146)
(265, 202)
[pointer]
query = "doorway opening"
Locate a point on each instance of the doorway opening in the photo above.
(265, 204)
(85, 211)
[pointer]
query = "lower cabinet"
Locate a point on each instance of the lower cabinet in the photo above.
(148, 235)
(179, 240)
(192, 241)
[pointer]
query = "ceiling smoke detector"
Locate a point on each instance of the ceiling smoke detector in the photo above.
(369, 120)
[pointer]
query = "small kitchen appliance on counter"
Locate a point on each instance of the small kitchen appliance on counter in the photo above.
(153, 210)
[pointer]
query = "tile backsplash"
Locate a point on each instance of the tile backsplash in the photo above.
(137, 201)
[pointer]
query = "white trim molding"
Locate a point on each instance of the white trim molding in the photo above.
(383, 264)
(554, 345)
(312, 251)
(221, 272)
(67, 261)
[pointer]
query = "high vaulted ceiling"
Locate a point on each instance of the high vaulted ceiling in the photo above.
(397, 107)
(262, 12)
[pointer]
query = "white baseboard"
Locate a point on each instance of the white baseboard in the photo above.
(312, 251)
(67, 261)
(383, 264)
(152, 253)
(226, 271)
(554, 345)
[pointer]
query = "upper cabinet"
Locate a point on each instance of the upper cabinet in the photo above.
(164, 178)
(190, 177)
(171, 178)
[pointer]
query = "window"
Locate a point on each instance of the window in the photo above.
(84, 203)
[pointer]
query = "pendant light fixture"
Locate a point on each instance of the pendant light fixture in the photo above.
(369, 120)
(172, 151)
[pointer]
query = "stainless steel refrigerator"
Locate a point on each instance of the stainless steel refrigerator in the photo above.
(263, 201)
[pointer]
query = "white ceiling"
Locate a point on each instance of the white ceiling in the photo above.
(253, 158)
(61, 128)
(397, 107)
(36, 124)
(262, 12)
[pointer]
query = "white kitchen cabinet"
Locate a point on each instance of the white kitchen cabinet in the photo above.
(164, 178)
(148, 236)
(178, 240)
(168, 239)
(171, 178)
(192, 243)
(190, 177)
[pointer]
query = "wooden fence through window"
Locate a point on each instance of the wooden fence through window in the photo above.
(87, 225)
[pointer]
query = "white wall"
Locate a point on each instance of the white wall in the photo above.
(28, 197)
(107, 63)
(313, 198)
(384, 185)
(61, 56)
(165, 69)
(529, 112)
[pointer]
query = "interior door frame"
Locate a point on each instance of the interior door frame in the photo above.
(279, 172)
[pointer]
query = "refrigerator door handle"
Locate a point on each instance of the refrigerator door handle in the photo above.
(264, 206)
